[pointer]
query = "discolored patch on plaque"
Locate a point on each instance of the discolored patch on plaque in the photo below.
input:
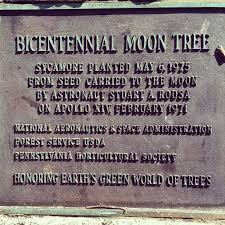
(117, 108)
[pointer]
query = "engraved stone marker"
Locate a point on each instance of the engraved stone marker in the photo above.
(117, 109)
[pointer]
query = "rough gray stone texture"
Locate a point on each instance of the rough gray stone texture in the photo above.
(50, 220)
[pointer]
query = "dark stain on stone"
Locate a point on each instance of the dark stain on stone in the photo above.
(10, 146)
(203, 143)
(15, 22)
(31, 102)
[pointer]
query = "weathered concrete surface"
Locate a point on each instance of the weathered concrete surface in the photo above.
(137, 1)
(51, 220)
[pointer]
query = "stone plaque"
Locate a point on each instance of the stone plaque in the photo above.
(115, 108)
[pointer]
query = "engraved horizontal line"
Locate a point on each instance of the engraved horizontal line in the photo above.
(202, 213)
